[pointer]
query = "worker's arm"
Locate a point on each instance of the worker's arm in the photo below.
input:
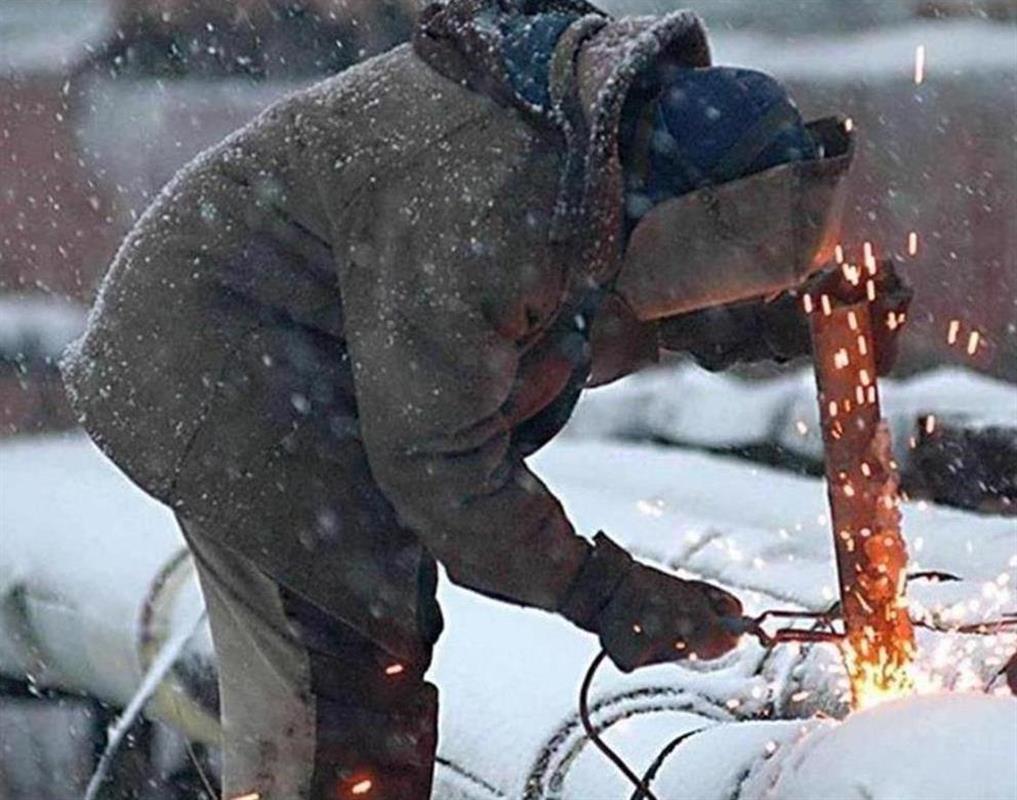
(448, 287)
(740, 333)
(438, 312)
(433, 380)
(778, 330)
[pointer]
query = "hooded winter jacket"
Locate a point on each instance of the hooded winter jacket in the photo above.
(335, 336)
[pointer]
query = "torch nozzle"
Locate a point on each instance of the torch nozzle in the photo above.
(753, 626)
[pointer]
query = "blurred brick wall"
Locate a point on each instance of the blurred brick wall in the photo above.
(55, 222)
(87, 137)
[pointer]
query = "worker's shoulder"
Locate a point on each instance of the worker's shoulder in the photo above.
(393, 107)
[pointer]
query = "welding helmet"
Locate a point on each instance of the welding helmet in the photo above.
(729, 194)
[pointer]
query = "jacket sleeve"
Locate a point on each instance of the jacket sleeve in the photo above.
(435, 335)
(746, 333)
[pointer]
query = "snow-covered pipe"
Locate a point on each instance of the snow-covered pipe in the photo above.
(93, 582)
(83, 554)
(934, 746)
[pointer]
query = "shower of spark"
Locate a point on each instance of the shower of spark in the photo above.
(919, 64)
(862, 487)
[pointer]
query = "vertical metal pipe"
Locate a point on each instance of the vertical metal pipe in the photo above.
(862, 486)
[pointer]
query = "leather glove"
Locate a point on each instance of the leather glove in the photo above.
(893, 297)
(645, 616)
(778, 330)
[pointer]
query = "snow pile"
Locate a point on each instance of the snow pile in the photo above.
(37, 326)
(915, 749)
(937, 746)
(50, 35)
(82, 548)
(686, 405)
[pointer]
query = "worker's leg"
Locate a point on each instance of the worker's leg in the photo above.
(310, 710)
(376, 726)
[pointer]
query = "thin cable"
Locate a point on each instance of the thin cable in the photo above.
(658, 762)
(642, 790)
(160, 667)
(212, 793)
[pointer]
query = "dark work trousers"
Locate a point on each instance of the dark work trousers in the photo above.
(311, 710)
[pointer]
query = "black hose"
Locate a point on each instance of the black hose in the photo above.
(642, 789)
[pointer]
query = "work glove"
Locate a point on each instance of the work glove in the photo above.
(778, 330)
(888, 311)
(644, 616)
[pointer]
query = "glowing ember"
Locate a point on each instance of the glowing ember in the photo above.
(919, 64)
(954, 330)
(973, 343)
(251, 796)
(361, 788)
(394, 669)
(912, 244)
(870, 258)
(877, 681)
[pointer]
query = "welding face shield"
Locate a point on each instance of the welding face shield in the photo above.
(747, 237)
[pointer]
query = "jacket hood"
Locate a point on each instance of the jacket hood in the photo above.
(594, 66)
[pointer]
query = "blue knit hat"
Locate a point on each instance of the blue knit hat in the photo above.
(710, 126)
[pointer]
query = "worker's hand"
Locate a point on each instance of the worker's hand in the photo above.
(655, 618)
(645, 616)
(888, 310)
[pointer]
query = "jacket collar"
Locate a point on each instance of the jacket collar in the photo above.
(594, 66)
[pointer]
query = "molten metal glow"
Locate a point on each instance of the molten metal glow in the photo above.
(877, 679)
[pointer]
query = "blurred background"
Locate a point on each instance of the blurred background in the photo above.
(102, 100)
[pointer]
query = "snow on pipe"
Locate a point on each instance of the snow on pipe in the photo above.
(711, 736)
(903, 750)
(935, 419)
(79, 591)
(83, 636)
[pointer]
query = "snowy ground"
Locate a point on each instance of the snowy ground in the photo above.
(81, 548)
(685, 405)
(954, 431)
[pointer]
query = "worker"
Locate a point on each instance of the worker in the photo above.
(332, 341)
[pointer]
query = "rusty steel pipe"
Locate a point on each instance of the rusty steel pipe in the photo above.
(862, 487)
